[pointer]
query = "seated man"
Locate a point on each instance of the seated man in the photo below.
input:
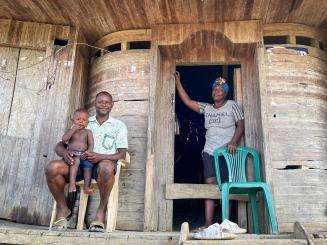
(110, 144)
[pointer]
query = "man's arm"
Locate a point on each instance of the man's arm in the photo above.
(120, 154)
(61, 150)
(97, 157)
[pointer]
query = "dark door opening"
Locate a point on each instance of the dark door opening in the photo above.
(190, 138)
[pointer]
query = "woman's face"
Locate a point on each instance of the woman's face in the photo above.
(218, 94)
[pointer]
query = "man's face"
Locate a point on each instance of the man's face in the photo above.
(80, 119)
(103, 105)
(218, 94)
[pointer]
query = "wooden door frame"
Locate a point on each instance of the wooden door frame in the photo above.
(159, 170)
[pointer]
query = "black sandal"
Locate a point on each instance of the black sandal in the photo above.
(96, 226)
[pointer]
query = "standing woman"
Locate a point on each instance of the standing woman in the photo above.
(224, 122)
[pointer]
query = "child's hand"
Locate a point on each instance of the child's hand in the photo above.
(76, 127)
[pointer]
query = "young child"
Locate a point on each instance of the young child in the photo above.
(79, 140)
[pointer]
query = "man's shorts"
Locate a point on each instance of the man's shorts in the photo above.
(94, 174)
(209, 167)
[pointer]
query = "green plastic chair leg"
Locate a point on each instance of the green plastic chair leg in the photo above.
(254, 209)
(271, 211)
(225, 202)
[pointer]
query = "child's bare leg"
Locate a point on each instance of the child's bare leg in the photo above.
(87, 181)
(72, 174)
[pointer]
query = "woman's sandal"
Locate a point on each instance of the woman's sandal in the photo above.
(96, 226)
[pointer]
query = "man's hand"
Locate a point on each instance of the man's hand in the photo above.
(231, 147)
(93, 157)
(69, 157)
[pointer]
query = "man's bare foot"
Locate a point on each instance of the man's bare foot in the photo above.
(63, 212)
(88, 191)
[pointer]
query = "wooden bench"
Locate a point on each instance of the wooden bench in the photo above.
(112, 206)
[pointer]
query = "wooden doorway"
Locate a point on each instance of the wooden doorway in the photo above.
(198, 44)
(190, 139)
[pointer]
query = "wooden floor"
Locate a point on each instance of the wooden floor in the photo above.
(15, 233)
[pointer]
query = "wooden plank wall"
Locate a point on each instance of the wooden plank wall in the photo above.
(296, 105)
(126, 75)
(27, 142)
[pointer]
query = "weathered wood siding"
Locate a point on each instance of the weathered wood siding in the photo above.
(296, 107)
(125, 75)
(35, 115)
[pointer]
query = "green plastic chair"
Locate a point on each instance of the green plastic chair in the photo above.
(238, 184)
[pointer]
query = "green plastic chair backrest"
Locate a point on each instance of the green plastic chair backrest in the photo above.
(236, 164)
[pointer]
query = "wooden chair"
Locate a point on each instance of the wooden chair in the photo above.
(112, 207)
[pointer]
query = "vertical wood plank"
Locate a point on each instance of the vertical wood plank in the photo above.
(150, 197)
(8, 69)
(164, 158)
(238, 95)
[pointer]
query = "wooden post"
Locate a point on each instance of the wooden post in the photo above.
(82, 208)
(238, 95)
(124, 46)
(185, 232)
(150, 222)
(164, 143)
(113, 202)
(291, 39)
(150, 199)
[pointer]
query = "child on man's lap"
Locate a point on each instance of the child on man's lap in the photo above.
(79, 140)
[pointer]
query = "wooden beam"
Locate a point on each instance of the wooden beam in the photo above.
(124, 36)
(235, 31)
(197, 191)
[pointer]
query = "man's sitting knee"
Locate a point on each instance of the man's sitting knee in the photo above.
(107, 165)
(52, 167)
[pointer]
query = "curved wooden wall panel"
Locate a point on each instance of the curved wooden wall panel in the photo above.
(297, 129)
(125, 75)
(276, 29)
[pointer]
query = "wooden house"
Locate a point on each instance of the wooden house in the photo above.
(46, 73)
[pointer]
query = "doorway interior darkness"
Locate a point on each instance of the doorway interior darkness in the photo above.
(190, 137)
